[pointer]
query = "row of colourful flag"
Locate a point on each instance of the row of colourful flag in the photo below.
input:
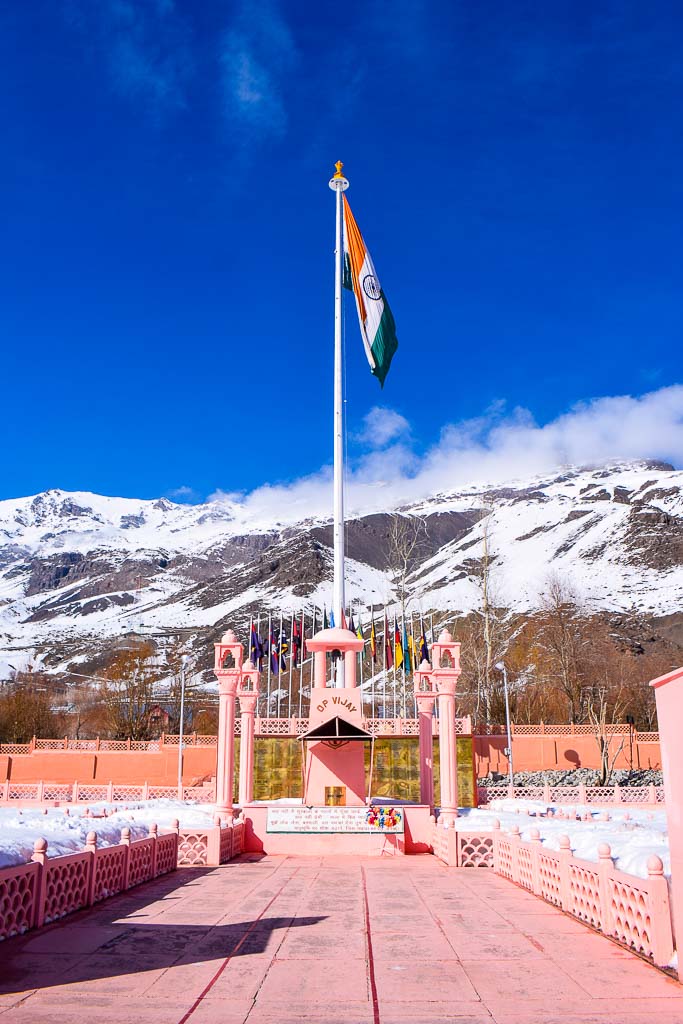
(398, 646)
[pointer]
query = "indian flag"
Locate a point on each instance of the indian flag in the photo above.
(376, 321)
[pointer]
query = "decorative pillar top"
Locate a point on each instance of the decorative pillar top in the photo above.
(229, 653)
(422, 682)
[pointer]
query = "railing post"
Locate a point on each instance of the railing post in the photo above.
(546, 792)
(5, 790)
(542, 728)
(605, 868)
(617, 795)
(514, 849)
(91, 848)
(154, 834)
(582, 792)
(66, 742)
(110, 792)
(41, 790)
(535, 838)
(74, 793)
(32, 745)
(565, 886)
(651, 794)
(145, 790)
(495, 854)
(128, 744)
(125, 841)
(660, 912)
(40, 857)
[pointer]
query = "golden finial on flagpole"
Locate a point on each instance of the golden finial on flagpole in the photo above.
(338, 182)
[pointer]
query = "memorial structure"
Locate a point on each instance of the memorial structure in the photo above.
(336, 812)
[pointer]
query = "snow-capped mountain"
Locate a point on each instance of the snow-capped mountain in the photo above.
(78, 570)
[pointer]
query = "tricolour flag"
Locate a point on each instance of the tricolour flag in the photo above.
(376, 320)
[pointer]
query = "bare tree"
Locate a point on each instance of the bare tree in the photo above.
(406, 539)
(128, 695)
(565, 643)
(486, 634)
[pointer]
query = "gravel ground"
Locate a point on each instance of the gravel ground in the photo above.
(576, 776)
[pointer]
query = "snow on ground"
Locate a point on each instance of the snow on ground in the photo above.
(633, 835)
(67, 832)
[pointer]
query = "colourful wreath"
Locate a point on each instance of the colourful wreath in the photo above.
(383, 817)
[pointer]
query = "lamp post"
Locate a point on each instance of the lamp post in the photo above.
(501, 668)
(183, 662)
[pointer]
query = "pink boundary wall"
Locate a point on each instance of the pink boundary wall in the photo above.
(634, 911)
(159, 767)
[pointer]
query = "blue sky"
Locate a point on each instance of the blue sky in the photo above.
(166, 232)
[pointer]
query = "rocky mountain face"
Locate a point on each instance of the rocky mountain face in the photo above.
(79, 571)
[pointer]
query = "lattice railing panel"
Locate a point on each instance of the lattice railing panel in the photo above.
(18, 893)
(562, 794)
(162, 792)
(66, 885)
(550, 885)
(140, 868)
(584, 894)
(475, 851)
(226, 845)
(631, 916)
(15, 748)
(110, 871)
(167, 846)
(50, 745)
(127, 792)
(57, 791)
(94, 793)
(504, 858)
(23, 791)
(525, 869)
(528, 792)
(193, 849)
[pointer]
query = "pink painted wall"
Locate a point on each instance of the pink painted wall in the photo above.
(534, 753)
(160, 768)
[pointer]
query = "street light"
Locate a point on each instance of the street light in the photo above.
(183, 662)
(501, 668)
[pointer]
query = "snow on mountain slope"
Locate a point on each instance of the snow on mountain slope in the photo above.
(77, 569)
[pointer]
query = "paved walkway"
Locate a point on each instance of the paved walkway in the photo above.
(328, 940)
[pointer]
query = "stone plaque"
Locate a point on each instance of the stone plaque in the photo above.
(335, 819)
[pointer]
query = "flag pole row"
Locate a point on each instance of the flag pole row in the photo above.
(394, 651)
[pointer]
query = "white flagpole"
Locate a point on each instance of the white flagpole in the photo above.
(270, 651)
(338, 184)
(291, 648)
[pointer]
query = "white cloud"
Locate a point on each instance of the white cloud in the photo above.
(380, 426)
(183, 494)
(257, 53)
(491, 449)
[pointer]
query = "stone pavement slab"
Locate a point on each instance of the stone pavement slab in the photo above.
(328, 940)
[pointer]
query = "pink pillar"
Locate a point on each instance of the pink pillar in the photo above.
(448, 760)
(225, 769)
(246, 780)
(425, 704)
(228, 670)
(669, 695)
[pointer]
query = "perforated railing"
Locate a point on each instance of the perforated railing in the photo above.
(634, 911)
(572, 795)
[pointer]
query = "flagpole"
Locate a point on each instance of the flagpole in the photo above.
(270, 657)
(338, 184)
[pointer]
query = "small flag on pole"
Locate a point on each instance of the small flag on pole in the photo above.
(377, 325)
(373, 638)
